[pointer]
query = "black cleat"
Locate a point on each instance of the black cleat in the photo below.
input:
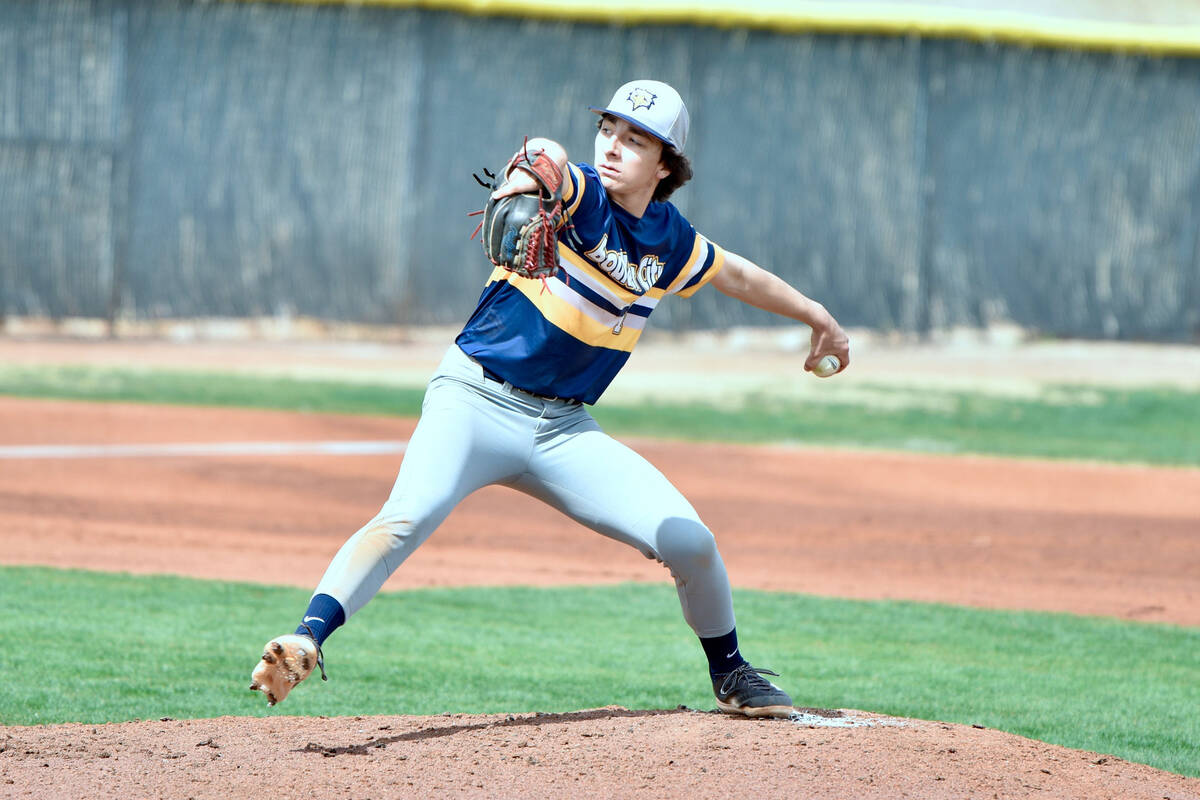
(744, 691)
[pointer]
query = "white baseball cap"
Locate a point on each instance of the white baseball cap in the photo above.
(653, 106)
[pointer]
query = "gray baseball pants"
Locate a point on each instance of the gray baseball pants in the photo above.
(474, 432)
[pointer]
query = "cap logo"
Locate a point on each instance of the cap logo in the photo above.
(640, 98)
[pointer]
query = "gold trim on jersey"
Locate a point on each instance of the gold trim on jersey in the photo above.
(698, 252)
(570, 197)
(575, 315)
(718, 263)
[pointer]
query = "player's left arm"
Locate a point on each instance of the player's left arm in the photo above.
(742, 279)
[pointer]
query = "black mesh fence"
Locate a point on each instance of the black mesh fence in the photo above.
(162, 159)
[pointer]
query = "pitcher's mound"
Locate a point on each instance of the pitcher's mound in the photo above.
(607, 752)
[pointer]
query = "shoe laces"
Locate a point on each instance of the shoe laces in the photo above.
(320, 655)
(751, 675)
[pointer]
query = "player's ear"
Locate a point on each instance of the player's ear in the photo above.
(662, 170)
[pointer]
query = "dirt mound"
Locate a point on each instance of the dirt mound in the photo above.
(608, 752)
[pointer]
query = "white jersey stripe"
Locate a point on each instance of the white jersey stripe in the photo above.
(574, 273)
(695, 264)
(582, 304)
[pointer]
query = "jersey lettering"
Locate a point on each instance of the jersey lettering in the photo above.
(639, 278)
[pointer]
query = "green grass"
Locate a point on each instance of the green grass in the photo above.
(94, 647)
(1157, 426)
(178, 387)
(1147, 425)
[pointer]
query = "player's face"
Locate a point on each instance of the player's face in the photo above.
(628, 159)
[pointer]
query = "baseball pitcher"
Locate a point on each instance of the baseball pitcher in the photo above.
(582, 254)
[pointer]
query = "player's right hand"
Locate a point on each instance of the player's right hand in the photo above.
(519, 182)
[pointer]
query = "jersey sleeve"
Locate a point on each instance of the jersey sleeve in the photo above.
(704, 262)
(583, 196)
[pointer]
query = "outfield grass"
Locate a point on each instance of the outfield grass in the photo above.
(96, 647)
(177, 387)
(1149, 425)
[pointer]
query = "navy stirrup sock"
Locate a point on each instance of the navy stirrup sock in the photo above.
(722, 652)
(324, 616)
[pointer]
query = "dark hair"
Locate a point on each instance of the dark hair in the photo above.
(675, 161)
(681, 173)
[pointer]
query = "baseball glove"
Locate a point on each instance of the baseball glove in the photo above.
(520, 231)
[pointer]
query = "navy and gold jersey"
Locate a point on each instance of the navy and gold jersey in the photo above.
(570, 335)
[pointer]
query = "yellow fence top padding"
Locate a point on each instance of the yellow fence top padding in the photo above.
(1167, 27)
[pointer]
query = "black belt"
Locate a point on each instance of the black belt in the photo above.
(487, 373)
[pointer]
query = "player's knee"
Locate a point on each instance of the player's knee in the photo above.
(391, 527)
(686, 545)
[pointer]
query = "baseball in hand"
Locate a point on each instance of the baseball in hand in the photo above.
(827, 366)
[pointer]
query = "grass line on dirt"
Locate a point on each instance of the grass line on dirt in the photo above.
(97, 647)
(1146, 425)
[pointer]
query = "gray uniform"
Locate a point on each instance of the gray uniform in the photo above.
(474, 432)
